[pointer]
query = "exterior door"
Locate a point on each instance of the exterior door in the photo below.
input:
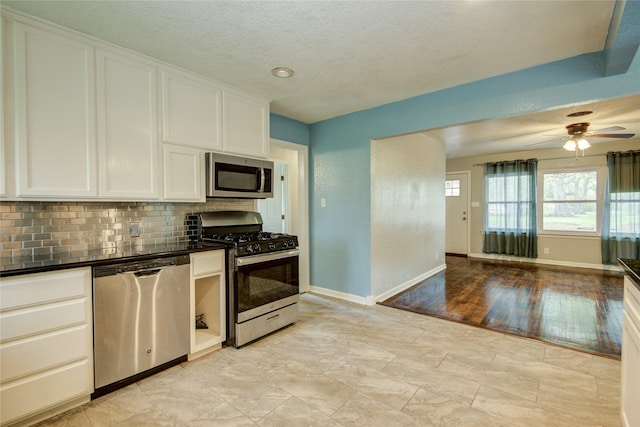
(457, 221)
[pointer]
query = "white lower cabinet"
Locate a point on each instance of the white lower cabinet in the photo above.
(630, 381)
(183, 169)
(46, 344)
(208, 302)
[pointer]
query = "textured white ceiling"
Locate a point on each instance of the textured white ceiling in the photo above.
(347, 56)
(541, 130)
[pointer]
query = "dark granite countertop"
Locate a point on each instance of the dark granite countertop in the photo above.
(65, 260)
(632, 268)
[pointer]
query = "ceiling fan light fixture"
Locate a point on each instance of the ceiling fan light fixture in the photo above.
(570, 145)
(583, 144)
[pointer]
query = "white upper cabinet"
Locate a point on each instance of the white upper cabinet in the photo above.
(191, 112)
(87, 120)
(183, 174)
(245, 127)
(127, 128)
(3, 169)
(55, 125)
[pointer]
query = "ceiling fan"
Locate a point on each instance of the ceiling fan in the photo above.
(578, 133)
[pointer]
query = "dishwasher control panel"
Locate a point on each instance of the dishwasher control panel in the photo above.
(133, 266)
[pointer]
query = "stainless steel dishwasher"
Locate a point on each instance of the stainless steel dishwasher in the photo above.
(141, 319)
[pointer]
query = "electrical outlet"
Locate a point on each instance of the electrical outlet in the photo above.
(545, 251)
(323, 203)
(134, 230)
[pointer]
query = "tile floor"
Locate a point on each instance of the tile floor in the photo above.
(348, 365)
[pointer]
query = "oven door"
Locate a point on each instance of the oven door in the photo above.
(265, 282)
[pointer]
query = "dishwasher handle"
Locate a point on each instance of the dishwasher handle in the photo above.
(147, 272)
(140, 268)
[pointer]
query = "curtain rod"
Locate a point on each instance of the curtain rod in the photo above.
(548, 158)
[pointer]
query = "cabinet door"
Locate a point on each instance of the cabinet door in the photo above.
(630, 369)
(127, 128)
(55, 126)
(191, 112)
(245, 125)
(3, 171)
(183, 174)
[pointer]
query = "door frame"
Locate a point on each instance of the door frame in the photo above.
(468, 177)
(301, 211)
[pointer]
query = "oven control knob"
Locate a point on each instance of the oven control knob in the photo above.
(256, 247)
(249, 249)
(292, 244)
(272, 245)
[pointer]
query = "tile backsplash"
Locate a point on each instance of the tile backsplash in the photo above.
(47, 228)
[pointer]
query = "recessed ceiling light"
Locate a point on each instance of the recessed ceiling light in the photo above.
(282, 72)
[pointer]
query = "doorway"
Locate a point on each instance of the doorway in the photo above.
(457, 219)
(275, 210)
(291, 162)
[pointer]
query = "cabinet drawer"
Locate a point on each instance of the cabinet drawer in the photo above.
(19, 323)
(207, 262)
(41, 352)
(34, 394)
(41, 288)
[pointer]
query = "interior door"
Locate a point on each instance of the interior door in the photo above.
(457, 221)
(274, 210)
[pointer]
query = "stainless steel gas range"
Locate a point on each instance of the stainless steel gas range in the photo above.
(262, 273)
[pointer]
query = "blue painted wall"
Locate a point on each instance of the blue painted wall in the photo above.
(287, 129)
(340, 149)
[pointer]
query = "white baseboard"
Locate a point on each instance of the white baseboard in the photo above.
(372, 300)
(406, 285)
(340, 295)
(547, 261)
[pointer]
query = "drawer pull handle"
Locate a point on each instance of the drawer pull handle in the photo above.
(273, 317)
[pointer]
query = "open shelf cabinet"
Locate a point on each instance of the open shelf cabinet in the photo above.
(207, 299)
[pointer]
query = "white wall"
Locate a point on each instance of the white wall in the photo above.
(407, 211)
(563, 250)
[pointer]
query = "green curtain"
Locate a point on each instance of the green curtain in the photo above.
(510, 225)
(621, 213)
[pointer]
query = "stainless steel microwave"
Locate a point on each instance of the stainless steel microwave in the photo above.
(238, 177)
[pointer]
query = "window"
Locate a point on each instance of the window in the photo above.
(508, 201)
(621, 213)
(510, 208)
(452, 188)
(570, 201)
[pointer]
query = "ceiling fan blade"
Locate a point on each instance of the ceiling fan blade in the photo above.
(610, 129)
(612, 135)
(549, 141)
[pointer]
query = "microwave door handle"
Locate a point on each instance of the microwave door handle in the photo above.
(262, 179)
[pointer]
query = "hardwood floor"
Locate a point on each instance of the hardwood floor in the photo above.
(571, 307)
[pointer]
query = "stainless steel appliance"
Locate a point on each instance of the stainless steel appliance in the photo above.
(141, 319)
(262, 273)
(238, 177)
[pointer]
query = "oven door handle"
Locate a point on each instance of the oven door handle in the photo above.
(255, 259)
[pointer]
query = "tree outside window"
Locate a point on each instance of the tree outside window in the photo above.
(569, 201)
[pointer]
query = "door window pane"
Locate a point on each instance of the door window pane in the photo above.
(452, 188)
